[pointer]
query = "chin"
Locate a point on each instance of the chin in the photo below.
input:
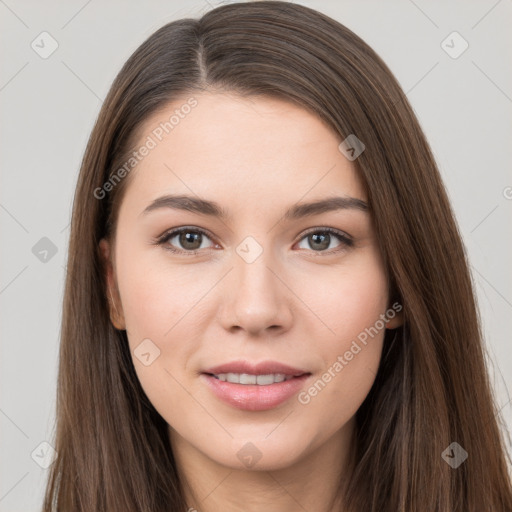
(255, 453)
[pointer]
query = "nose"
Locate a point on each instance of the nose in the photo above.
(257, 299)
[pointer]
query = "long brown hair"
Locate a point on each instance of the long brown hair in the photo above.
(432, 387)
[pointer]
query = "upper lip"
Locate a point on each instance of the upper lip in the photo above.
(263, 368)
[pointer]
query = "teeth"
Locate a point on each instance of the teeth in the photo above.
(245, 378)
(259, 380)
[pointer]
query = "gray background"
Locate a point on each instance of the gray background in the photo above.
(48, 109)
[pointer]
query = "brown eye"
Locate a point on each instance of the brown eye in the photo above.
(322, 240)
(190, 240)
(185, 240)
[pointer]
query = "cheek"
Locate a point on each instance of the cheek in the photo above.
(160, 307)
(158, 322)
(157, 298)
(332, 398)
(351, 361)
(350, 303)
(346, 299)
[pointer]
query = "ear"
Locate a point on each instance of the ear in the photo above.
(398, 319)
(114, 301)
(395, 322)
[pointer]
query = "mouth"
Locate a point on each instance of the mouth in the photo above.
(255, 387)
(247, 379)
(246, 371)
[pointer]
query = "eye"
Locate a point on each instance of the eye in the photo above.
(320, 240)
(189, 240)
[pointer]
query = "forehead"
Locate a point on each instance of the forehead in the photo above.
(227, 147)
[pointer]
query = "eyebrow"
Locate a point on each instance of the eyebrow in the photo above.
(213, 209)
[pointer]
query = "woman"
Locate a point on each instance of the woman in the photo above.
(268, 304)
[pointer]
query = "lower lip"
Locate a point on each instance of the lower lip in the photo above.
(251, 397)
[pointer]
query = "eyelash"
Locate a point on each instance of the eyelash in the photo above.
(345, 240)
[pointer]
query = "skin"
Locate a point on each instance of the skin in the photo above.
(296, 303)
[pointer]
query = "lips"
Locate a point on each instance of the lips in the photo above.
(265, 394)
(263, 368)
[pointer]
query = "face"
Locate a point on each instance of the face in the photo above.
(269, 290)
